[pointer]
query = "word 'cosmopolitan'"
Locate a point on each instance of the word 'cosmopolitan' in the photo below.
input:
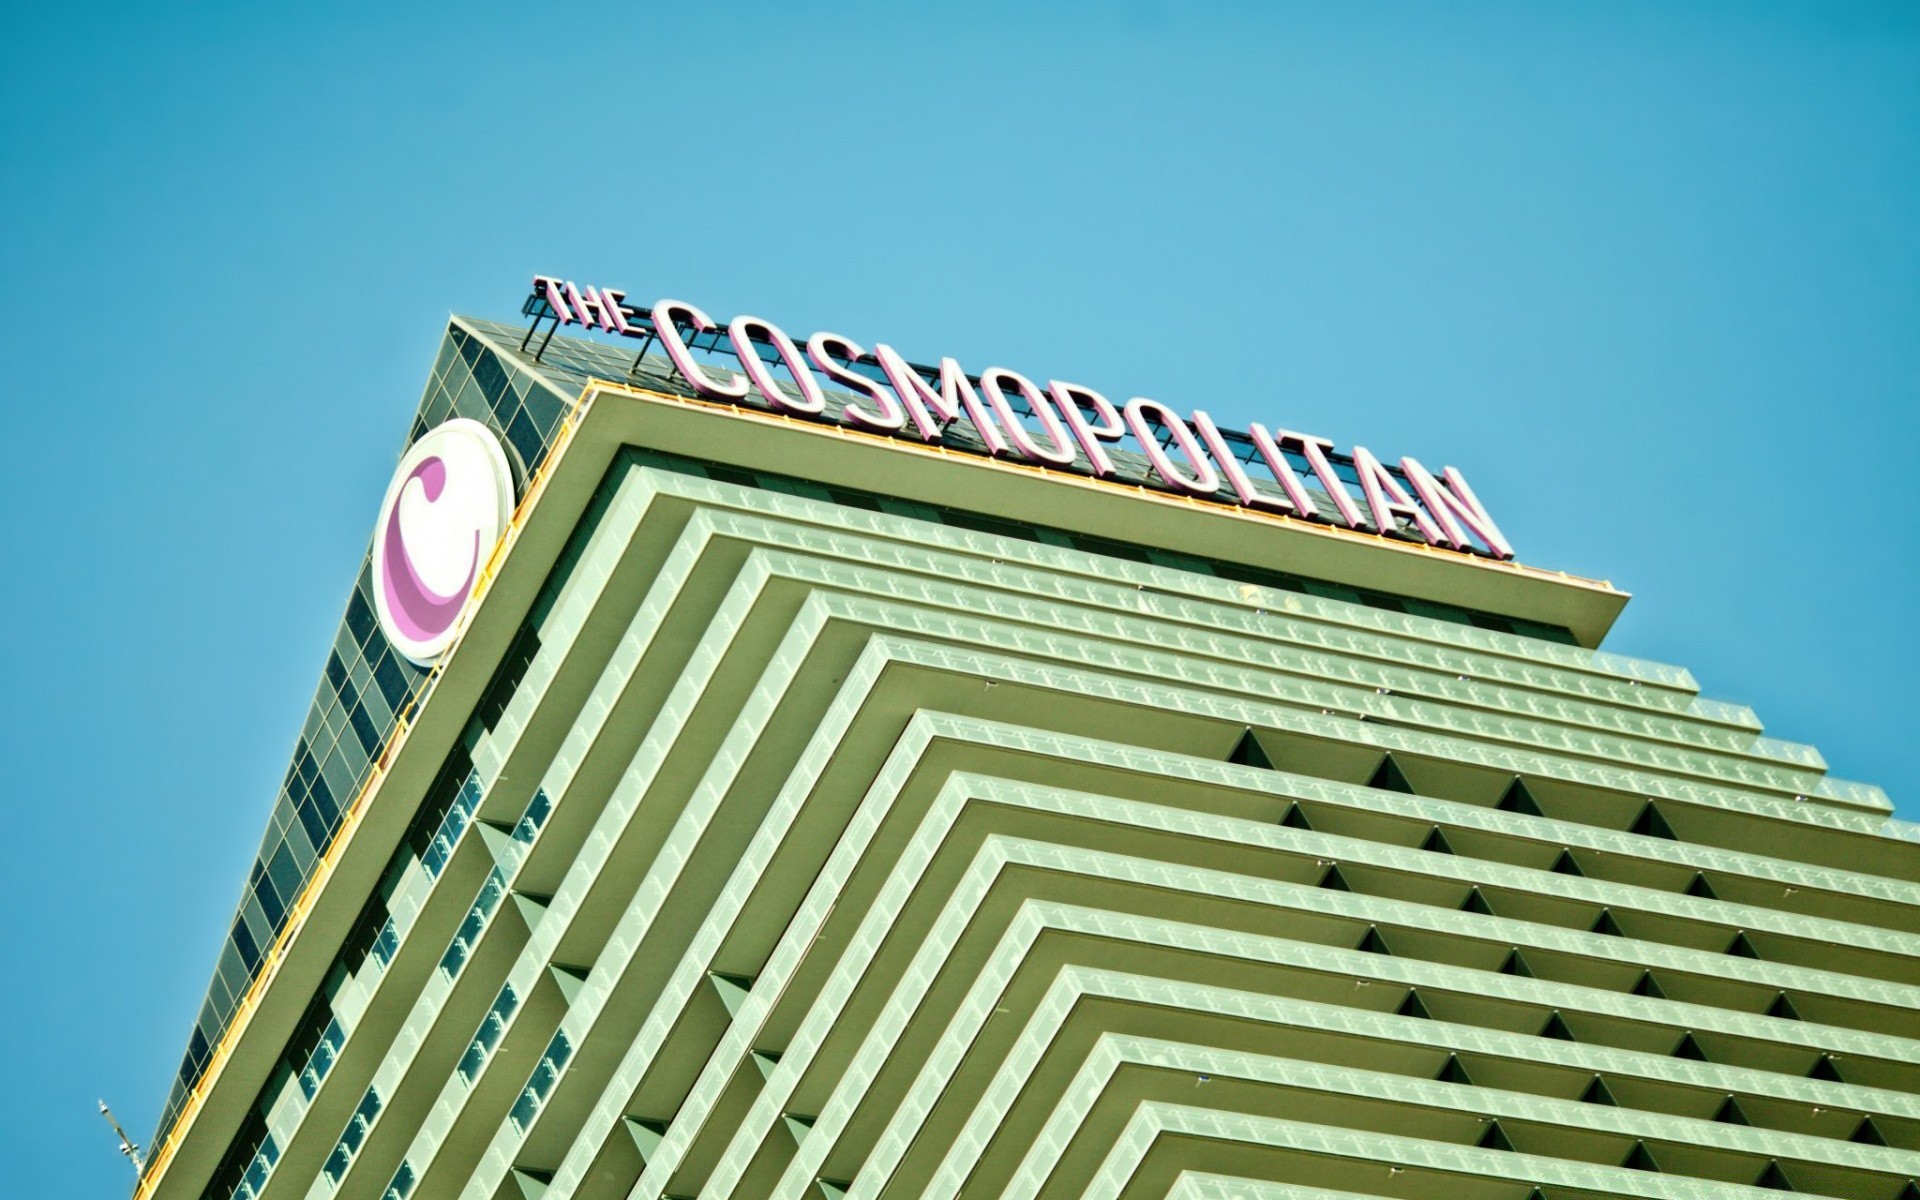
(1073, 426)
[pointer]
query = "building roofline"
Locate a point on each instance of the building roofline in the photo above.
(839, 455)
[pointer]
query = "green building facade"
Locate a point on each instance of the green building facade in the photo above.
(805, 813)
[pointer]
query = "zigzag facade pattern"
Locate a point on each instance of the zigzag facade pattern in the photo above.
(796, 849)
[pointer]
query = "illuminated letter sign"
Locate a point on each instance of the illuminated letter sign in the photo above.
(448, 504)
(1062, 426)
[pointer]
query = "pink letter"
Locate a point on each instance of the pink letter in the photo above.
(1452, 509)
(549, 287)
(595, 309)
(616, 311)
(1282, 470)
(1070, 396)
(812, 400)
(955, 394)
(1237, 474)
(1315, 449)
(888, 415)
(702, 383)
(1061, 452)
(1388, 499)
(1203, 482)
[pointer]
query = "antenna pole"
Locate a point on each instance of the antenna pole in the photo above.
(128, 1146)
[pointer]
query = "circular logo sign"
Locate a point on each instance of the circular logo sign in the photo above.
(447, 505)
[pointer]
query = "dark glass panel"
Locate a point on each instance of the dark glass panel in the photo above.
(323, 803)
(492, 378)
(392, 679)
(272, 905)
(281, 870)
(544, 407)
(363, 730)
(242, 942)
(360, 617)
(525, 438)
(318, 828)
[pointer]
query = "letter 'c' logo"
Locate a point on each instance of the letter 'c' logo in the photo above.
(449, 502)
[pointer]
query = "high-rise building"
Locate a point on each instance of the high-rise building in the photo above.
(748, 771)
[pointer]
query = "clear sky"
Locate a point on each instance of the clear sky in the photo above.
(1649, 273)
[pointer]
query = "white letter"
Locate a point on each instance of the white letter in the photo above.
(595, 309)
(1235, 473)
(1203, 482)
(1452, 509)
(955, 395)
(1069, 396)
(549, 287)
(701, 382)
(1388, 499)
(1315, 449)
(822, 348)
(812, 400)
(1282, 470)
(1061, 452)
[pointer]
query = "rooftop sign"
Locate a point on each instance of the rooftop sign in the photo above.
(1063, 426)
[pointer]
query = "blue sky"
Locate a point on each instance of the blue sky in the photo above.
(1648, 273)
